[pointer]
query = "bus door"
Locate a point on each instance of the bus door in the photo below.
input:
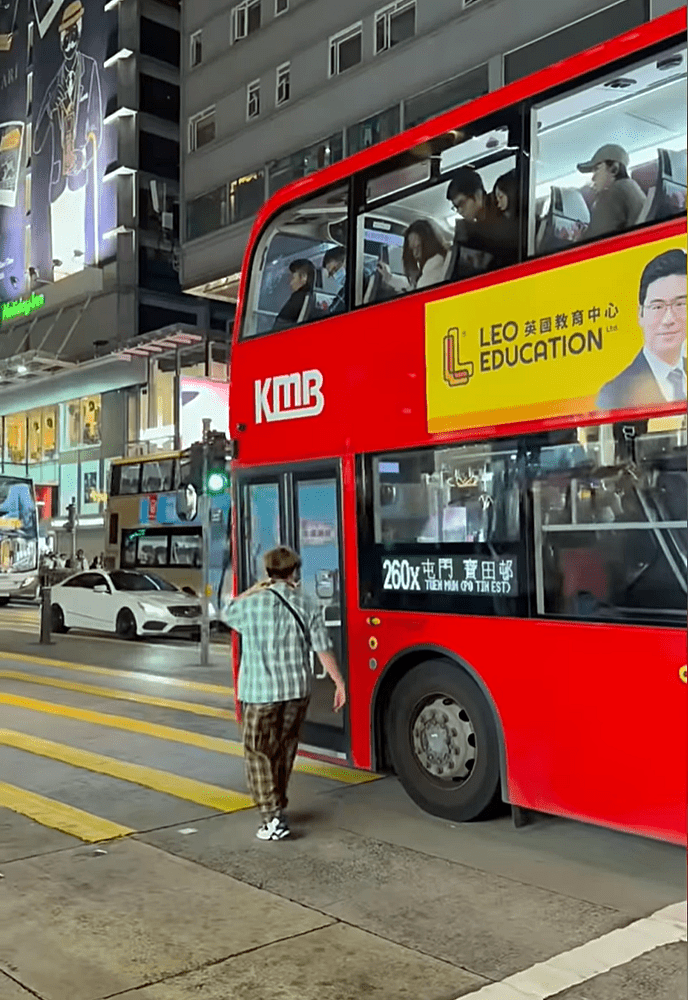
(301, 508)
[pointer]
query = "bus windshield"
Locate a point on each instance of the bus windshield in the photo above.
(18, 526)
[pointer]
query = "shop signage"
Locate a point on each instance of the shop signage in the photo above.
(22, 307)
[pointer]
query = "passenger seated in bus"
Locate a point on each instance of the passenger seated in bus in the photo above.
(423, 259)
(334, 262)
(301, 282)
(483, 227)
(505, 194)
(618, 198)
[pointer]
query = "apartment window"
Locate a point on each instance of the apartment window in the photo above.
(201, 129)
(253, 99)
(283, 92)
(281, 6)
(394, 24)
(345, 49)
(207, 213)
(374, 129)
(159, 42)
(158, 98)
(196, 57)
(245, 19)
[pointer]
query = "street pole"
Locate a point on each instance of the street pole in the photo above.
(74, 534)
(205, 561)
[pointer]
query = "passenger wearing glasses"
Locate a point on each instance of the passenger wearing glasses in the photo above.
(483, 227)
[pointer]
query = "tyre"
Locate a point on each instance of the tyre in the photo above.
(4, 601)
(443, 742)
(126, 625)
(57, 622)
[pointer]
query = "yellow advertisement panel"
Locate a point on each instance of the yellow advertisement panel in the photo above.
(607, 333)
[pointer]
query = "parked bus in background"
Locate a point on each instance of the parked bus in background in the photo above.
(478, 442)
(154, 521)
(18, 539)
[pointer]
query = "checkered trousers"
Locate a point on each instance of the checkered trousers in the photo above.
(271, 738)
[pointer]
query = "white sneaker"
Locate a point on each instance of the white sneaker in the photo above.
(275, 829)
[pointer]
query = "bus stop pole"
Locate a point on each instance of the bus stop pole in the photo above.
(205, 560)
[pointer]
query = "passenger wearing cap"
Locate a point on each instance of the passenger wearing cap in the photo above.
(618, 198)
(301, 282)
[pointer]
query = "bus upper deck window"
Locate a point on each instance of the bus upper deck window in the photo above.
(299, 271)
(597, 171)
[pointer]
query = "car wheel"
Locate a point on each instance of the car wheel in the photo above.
(443, 742)
(126, 625)
(57, 622)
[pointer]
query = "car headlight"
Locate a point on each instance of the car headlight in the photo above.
(150, 609)
(29, 581)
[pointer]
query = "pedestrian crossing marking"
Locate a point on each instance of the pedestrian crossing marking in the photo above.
(124, 674)
(200, 792)
(215, 744)
(118, 694)
(58, 816)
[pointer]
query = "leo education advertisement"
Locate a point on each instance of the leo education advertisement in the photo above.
(601, 334)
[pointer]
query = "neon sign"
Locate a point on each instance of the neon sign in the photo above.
(22, 307)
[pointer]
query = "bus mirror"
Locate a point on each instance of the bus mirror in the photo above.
(324, 584)
(388, 494)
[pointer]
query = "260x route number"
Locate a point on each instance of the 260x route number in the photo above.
(400, 575)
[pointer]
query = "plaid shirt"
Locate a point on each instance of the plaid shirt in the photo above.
(275, 663)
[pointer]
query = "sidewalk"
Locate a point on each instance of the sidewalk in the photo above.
(80, 924)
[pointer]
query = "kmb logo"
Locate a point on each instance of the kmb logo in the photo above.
(286, 397)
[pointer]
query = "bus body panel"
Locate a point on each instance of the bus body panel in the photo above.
(590, 715)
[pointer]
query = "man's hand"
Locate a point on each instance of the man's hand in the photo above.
(339, 697)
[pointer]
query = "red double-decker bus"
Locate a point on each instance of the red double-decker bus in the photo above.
(458, 390)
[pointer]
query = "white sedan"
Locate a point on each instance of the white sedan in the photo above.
(128, 602)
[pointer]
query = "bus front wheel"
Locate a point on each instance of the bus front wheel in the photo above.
(443, 742)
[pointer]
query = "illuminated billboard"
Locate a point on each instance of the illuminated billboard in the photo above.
(55, 147)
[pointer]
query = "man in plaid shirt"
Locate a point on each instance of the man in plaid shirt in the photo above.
(279, 626)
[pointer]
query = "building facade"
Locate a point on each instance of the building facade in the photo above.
(275, 89)
(95, 330)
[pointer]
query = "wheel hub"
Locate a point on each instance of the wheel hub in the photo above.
(444, 739)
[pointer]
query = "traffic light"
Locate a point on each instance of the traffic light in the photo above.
(194, 472)
(217, 479)
(70, 523)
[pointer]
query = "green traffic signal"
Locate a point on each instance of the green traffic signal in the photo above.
(217, 482)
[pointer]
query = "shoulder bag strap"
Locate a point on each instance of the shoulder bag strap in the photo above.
(292, 611)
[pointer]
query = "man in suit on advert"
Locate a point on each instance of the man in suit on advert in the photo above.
(657, 374)
(71, 117)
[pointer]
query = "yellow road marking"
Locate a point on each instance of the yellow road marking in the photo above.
(59, 816)
(200, 792)
(119, 695)
(126, 674)
(335, 772)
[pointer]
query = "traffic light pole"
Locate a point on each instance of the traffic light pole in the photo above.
(205, 562)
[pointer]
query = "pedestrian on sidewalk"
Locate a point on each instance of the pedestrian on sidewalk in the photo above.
(279, 627)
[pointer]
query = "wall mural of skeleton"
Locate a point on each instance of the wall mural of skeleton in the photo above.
(54, 145)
